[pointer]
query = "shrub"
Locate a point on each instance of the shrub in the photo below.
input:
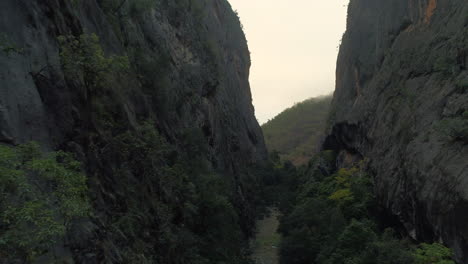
(83, 60)
(7, 46)
(433, 254)
(41, 194)
(330, 221)
(85, 65)
(354, 244)
(390, 250)
(172, 207)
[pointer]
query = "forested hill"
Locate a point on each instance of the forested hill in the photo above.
(296, 132)
(127, 132)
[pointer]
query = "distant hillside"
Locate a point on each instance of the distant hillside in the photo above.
(295, 132)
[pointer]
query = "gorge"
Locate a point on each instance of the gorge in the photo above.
(128, 135)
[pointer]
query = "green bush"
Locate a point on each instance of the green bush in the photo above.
(433, 254)
(354, 244)
(102, 78)
(83, 60)
(173, 208)
(41, 194)
(390, 250)
(329, 219)
(7, 46)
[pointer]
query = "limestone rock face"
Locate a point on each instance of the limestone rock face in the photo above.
(190, 67)
(401, 100)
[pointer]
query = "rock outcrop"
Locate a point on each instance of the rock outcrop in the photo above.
(189, 68)
(401, 100)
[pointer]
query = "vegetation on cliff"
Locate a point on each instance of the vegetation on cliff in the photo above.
(330, 216)
(137, 115)
(158, 114)
(170, 206)
(176, 208)
(41, 194)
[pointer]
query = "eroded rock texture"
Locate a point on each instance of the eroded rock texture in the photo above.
(190, 66)
(401, 100)
(200, 71)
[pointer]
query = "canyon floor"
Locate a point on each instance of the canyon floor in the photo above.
(267, 241)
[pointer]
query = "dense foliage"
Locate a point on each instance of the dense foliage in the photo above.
(41, 194)
(178, 210)
(155, 197)
(161, 201)
(84, 61)
(328, 218)
(172, 207)
(295, 133)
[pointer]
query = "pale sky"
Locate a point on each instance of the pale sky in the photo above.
(294, 46)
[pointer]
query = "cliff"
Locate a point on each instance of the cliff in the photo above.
(401, 101)
(77, 75)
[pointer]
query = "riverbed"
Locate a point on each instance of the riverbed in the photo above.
(266, 244)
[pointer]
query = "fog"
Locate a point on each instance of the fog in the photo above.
(294, 46)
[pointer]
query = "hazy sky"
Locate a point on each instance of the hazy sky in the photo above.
(294, 46)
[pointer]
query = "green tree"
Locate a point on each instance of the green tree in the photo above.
(173, 208)
(83, 60)
(40, 195)
(328, 218)
(354, 244)
(390, 250)
(102, 81)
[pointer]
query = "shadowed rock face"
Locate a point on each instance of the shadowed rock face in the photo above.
(201, 80)
(402, 83)
(190, 64)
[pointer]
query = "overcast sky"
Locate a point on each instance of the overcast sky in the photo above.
(294, 46)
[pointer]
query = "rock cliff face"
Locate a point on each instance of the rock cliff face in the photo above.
(189, 68)
(401, 100)
(197, 66)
